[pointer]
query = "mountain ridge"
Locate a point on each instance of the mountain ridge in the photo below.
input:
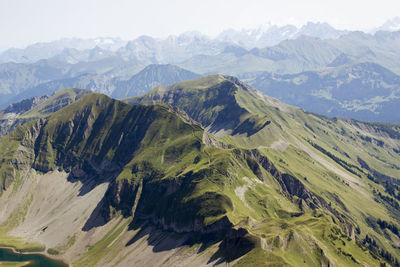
(273, 185)
(82, 161)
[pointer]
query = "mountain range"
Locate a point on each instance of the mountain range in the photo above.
(174, 49)
(302, 54)
(114, 85)
(271, 35)
(38, 51)
(316, 50)
(366, 91)
(15, 78)
(203, 172)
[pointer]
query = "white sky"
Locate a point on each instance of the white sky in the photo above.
(23, 22)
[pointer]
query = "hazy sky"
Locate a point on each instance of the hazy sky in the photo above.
(27, 21)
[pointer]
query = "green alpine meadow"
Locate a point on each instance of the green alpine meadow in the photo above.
(185, 133)
(204, 172)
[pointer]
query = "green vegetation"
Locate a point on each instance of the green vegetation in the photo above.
(53, 251)
(276, 185)
(11, 264)
(349, 167)
(19, 244)
(336, 146)
(94, 253)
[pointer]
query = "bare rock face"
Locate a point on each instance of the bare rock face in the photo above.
(36, 107)
(25, 105)
(9, 123)
(9, 117)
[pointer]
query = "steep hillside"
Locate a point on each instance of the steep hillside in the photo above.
(104, 183)
(353, 165)
(112, 174)
(116, 175)
(365, 91)
(211, 101)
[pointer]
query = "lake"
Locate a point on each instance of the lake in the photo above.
(36, 260)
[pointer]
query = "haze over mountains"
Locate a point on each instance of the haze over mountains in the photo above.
(264, 35)
(366, 91)
(107, 65)
(390, 25)
(58, 48)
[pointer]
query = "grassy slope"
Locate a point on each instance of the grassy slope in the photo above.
(353, 194)
(209, 100)
(100, 138)
(162, 168)
(353, 199)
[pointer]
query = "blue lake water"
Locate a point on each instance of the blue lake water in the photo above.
(36, 260)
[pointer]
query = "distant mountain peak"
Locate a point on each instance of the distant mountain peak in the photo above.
(269, 35)
(390, 25)
(150, 77)
(340, 60)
